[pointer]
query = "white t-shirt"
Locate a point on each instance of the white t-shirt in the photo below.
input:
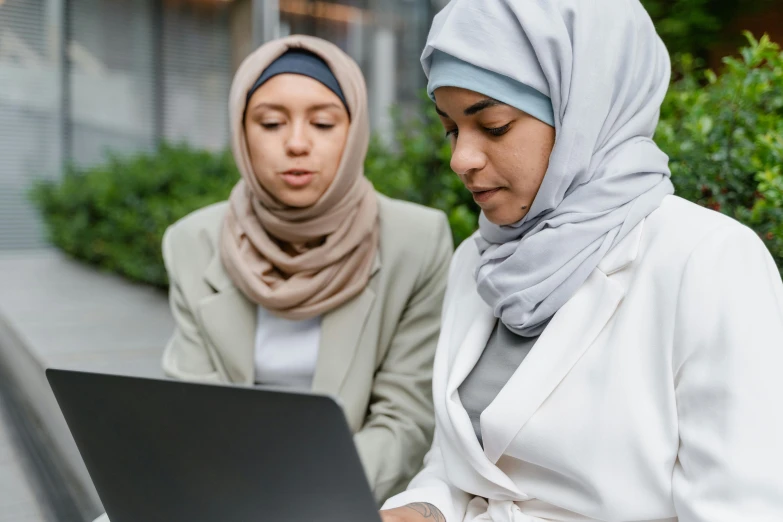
(286, 351)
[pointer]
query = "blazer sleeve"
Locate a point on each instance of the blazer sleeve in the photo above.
(399, 424)
(727, 361)
(432, 486)
(186, 356)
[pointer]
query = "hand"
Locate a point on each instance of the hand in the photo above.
(416, 512)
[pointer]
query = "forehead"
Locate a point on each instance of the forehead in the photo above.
(455, 102)
(294, 90)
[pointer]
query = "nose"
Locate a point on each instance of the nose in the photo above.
(298, 142)
(467, 157)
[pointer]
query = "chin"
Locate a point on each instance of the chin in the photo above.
(500, 217)
(297, 199)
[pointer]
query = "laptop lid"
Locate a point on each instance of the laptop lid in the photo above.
(163, 451)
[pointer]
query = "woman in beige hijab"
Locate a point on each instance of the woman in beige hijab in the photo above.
(307, 278)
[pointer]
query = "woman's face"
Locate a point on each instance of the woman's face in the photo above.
(296, 130)
(500, 153)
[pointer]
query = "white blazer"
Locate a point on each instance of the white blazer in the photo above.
(655, 393)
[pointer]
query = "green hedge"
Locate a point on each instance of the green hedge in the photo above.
(114, 215)
(724, 135)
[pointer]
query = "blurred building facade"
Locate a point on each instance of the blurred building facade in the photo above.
(80, 78)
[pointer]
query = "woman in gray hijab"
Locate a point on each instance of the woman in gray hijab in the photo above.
(608, 350)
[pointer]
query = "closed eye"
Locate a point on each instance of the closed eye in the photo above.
(498, 131)
(271, 125)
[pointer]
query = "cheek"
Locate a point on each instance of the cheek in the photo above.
(333, 150)
(523, 168)
(260, 148)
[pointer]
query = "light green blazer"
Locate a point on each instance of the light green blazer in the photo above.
(376, 350)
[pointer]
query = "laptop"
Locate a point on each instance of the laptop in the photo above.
(172, 451)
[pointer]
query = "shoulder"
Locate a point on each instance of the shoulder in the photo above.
(686, 219)
(415, 243)
(202, 224)
(410, 228)
(413, 219)
(679, 228)
(723, 289)
(195, 237)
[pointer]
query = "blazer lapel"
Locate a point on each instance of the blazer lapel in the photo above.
(469, 329)
(229, 320)
(569, 334)
(341, 331)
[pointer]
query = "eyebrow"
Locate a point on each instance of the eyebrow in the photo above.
(480, 106)
(475, 108)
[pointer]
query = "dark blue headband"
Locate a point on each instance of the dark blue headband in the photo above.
(299, 61)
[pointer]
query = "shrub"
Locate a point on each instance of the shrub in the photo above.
(725, 138)
(114, 215)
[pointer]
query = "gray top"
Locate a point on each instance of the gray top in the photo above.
(502, 356)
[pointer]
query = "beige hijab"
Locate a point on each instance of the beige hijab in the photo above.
(299, 263)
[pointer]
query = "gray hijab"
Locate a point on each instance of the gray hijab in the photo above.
(606, 72)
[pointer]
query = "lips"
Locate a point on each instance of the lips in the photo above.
(484, 195)
(297, 177)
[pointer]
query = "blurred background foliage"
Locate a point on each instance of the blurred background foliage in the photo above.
(114, 215)
(724, 137)
(722, 130)
(695, 26)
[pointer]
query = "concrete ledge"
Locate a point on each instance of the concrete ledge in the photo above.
(57, 313)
